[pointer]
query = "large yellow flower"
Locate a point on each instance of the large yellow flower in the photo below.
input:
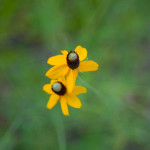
(70, 63)
(59, 90)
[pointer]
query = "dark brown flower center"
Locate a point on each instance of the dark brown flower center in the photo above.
(73, 60)
(59, 88)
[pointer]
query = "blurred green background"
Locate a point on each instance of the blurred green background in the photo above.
(116, 110)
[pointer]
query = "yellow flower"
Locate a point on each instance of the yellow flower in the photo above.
(70, 63)
(58, 90)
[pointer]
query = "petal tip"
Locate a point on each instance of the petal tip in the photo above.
(47, 75)
(44, 88)
(85, 90)
(79, 46)
(48, 107)
(64, 52)
(66, 114)
(79, 106)
(49, 60)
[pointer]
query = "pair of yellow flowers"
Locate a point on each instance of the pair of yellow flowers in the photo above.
(64, 74)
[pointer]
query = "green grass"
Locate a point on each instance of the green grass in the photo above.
(115, 111)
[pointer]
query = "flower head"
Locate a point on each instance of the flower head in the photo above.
(69, 64)
(58, 90)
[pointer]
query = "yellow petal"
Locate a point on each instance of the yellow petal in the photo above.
(48, 88)
(82, 52)
(64, 52)
(62, 80)
(52, 101)
(73, 101)
(64, 106)
(57, 60)
(52, 81)
(88, 66)
(79, 90)
(57, 71)
(71, 79)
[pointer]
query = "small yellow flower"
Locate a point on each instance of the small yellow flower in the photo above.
(58, 90)
(70, 63)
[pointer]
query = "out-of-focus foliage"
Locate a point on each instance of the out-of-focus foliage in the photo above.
(115, 112)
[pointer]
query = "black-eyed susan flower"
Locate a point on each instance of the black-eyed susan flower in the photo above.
(69, 64)
(59, 91)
